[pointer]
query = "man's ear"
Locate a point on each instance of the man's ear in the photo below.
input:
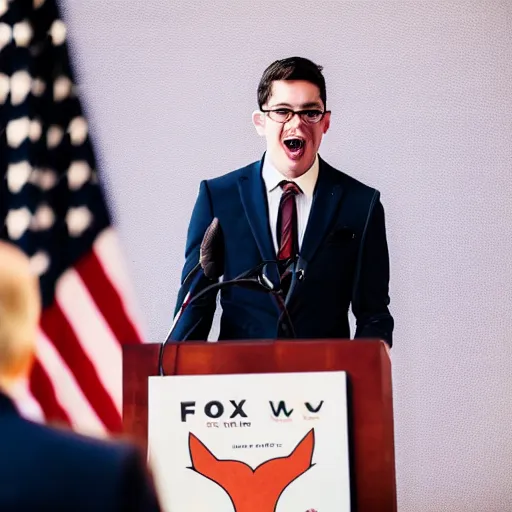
(326, 122)
(258, 120)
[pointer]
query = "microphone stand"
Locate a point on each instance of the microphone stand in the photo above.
(254, 283)
(297, 269)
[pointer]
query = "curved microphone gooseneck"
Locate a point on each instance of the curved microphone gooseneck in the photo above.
(249, 282)
(260, 283)
(211, 266)
(298, 269)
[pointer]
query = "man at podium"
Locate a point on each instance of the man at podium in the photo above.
(323, 230)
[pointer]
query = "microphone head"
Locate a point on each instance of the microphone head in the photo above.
(211, 252)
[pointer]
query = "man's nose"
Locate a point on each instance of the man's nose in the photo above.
(295, 121)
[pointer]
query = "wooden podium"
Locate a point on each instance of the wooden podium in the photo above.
(370, 406)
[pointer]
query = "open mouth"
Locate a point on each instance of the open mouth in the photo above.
(295, 146)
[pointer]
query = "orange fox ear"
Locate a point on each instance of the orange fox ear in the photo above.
(302, 455)
(200, 456)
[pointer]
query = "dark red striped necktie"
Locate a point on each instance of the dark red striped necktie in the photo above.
(287, 230)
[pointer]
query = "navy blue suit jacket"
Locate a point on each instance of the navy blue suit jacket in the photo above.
(344, 251)
(42, 468)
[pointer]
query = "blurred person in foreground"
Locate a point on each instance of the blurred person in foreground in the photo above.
(42, 468)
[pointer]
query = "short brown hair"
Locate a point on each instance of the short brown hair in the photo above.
(291, 68)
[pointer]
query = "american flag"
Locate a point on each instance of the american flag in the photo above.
(53, 207)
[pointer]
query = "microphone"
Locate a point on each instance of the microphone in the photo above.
(211, 252)
(210, 264)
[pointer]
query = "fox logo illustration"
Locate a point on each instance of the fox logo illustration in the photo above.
(253, 490)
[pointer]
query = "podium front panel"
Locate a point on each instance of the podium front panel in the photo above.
(368, 400)
(254, 442)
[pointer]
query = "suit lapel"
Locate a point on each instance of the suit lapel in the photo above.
(326, 199)
(254, 200)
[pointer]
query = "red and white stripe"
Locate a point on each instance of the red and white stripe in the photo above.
(77, 378)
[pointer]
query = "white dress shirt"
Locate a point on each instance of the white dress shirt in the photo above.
(307, 182)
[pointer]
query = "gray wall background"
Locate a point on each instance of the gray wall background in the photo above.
(422, 105)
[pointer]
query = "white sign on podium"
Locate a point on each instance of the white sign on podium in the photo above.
(250, 443)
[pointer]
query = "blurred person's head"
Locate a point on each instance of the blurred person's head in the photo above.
(20, 309)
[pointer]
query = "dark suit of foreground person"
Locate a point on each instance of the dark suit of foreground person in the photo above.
(47, 469)
(41, 468)
(338, 229)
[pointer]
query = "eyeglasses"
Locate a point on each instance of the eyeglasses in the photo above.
(283, 115)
